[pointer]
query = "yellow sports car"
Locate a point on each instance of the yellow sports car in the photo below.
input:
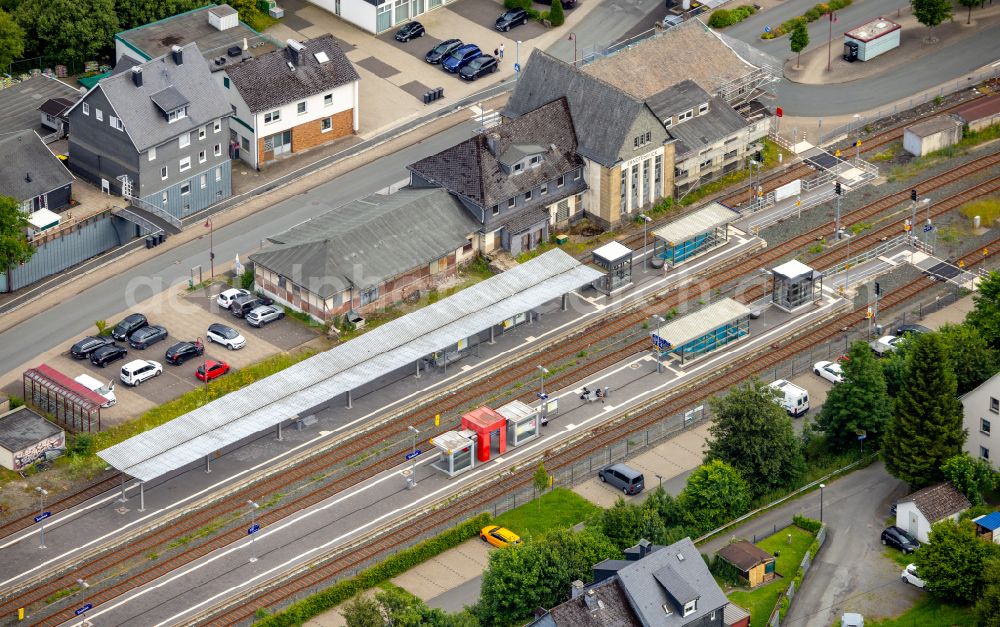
(498, 536)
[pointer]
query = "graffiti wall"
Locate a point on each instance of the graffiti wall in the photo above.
(30, 455)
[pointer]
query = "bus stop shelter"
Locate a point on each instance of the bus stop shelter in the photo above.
(616, 260)
(693, 234)
(71, 404)
(455, 450)
(794, 285)
(703, 331)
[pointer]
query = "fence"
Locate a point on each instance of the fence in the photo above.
(776, 614)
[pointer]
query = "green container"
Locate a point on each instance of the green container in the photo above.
(562, 239)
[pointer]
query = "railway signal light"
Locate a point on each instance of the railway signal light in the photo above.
(837, 189)
(878, 289)
(913, 194)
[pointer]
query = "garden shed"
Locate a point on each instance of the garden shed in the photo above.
(755, 565)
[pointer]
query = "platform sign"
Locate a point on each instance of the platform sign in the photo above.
(541, 395)
(517, 67)
(81, 610)
(661, 343)
(413, 454)
(253, 529)
(767, 28)
(928, 228)
(552, 406)
(42, 516)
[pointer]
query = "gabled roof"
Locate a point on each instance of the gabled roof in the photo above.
(744, 555)
(719, 122)
(677, 99)
(144, 121)
(56, 106)
(939, 501)
(989, 521)
(29, 169)
(19, 102)
(268, 81)
(602, 114)
(601, 605)
(370, 240)
(470, 168)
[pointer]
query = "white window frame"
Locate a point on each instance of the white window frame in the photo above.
(184, 164)
(218, 173)
(164, 199)
(202, 132)
(511, 202)
(328, 100)
(668, 122)
(527, 196)
(984, 426)
(326, 125)
(301, 108)
(186, 184)
(98, 114)
(152, 153)
(272, 116)
(217, 126)
(496, 210)
(703, 108)
(164, 173)
(203, 181)
(544, 189)
(177, 114)
(217, 150)
(202, 157)
(687, 115)
(560, 181)
(184, 140)
(86, 108)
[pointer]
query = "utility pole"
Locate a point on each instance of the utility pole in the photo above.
(42, 493)
(253, 529)
(838, 191)
(645, 222)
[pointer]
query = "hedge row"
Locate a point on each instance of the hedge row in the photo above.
(811, 15)
(809, 524)
(722, 18)
(314, 605)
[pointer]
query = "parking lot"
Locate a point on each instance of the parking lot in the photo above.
(186, 316)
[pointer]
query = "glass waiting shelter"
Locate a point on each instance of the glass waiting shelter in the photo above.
(703, 331)
(523, 422)
(794, 285)
(455, 448)
(616, 260)
(694, 234)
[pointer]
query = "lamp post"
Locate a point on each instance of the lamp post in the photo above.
(83, 614)
(857, 141)
(645, 223)
(211, 245)
(829, 42)
(821, 486)
(517, 59)
(42, 493)
(659, 353)
(253, 532)
(413, 455)
(545, 371)
(572, 37)
(753, 192)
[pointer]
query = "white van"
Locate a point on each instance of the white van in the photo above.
(794, 399)
(135, 372)
(92, 384)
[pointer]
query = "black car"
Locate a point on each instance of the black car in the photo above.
(911, 329)
(898, 539)
(510, 18)
(89, 344)
(128, 326)
(183, 351)
(483, 64)
(107, 354)
(442, 50)
(245, 304)
(147, 336)
(410, 30)
(567, 4)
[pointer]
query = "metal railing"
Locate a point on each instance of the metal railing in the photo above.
(136, 218)
(167, 217)
(763, 222)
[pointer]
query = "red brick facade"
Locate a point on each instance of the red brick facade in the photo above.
(310, 134)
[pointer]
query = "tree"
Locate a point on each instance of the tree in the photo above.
(970, 476)
(860, 402)
(624, 524)
(972, 360)
(363, 611)
(70, 31)
(397, 607)
(715, 493)
(931, 13)
(556, 15)
(14, 246)
(952, 562)
(11, 40)
(754, 435)
(988, 605)
(541, 481)
(799, 40)
(132, 13)
(970, 4)
(927, 427)
(985, 314)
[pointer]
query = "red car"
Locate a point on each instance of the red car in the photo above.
(215, 370)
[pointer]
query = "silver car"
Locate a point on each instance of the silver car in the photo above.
(259, 316)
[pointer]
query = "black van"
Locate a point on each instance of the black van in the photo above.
(244, 304)
(629, 480)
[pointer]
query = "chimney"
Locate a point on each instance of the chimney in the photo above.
(493, 143)
(576, 589)
(644, 548)
(137, 76)
(178, 53)
(297, 50)
(27, 177)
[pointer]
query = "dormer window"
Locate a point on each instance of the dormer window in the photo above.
(535, 160)
(642, 140)
(687, 115)
(668, 122)
(690, 607)
(511, 202)
(703, 108)
(177, 114)
(517, 168)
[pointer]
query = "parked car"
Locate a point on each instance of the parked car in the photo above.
(259, 316)
(183, 351)
(628, 480)
(567, 4)
(227, 336)
(107, 354)
(499, 536)
(483, 64)
(459, 57)
(829, 370)
(245, 304)
(670, 21)
(852, 619)
(128, 326)
(89, 344)
(910, 576)
(92, 384)
(884, 345)
(147, 336)
(214, 368)
(911, 329)
(898, 539)
(410, 30)
(135, 372)
(511, 18)
(228, 296)
(443, 49)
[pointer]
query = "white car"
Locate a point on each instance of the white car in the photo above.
(829, 370)
(852, 619)
(227, 336)
(884, 345)
(228, 296)
(92, 384)
(910, 576)
(135, 372)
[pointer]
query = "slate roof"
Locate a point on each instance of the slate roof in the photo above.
(144, 123)
(24, 154)
(20, 102)
(719, 122)
(938, 501)
(470, 169)
(56, 106)
(602, 114)
(677, 99)
(267, 81)
(744, 555)
(21, 428)
(602, 605)
(367, 241)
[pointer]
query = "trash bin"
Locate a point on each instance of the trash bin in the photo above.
(149, 241)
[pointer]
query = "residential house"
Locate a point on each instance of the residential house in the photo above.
(32, 175)
(516, 180)
(156, 134)
(52, 111)
(291, 100)
(917, 512)
(668, 586)
(981, 408)
(627, 153)
(987, 527)
(755, 565)
(378, 16)
(367, 254)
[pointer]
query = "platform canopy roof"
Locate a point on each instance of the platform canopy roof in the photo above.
(314, 381)
(696, 223)
(707, 319)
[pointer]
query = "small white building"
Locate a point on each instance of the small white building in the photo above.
(25, 437)
(874, 38)
(917, 512)
(378, 16)
(933, 134)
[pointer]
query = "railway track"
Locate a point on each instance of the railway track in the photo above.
(601, 436)
(134, 552)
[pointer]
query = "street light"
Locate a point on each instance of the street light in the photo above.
(659, 359)
(753, 193)
(253, 532)
(83, 614)
(545, 371)
(821, 486)
(572, 37)
(42, 493)
(211, 245)
(412, 479)
(645, 222)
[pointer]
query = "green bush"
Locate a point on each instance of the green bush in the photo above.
(720, 18)
(15, 401)
(246, 279)
(81, 444)
(517, 4)
(556, 15)
(811, 15)
(809, 524)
